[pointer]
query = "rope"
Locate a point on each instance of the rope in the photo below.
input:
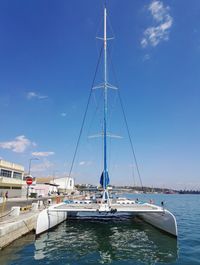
(26, 226)
(126, 123)
(129, 136)
(85, 113)
(95, 113)
(2, 216)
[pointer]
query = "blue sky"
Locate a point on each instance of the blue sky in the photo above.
(48, 54)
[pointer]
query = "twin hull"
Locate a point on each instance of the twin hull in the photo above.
(51, 217)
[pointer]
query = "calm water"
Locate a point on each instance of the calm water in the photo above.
(127, 242)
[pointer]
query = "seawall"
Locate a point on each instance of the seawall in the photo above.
(13, 228)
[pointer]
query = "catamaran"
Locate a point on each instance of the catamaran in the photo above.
(106, 207)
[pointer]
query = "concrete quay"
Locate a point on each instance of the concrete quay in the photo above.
(16, 222)
(13, 227)
(18, 217)
(7, 204)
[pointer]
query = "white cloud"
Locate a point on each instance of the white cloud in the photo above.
(43, 154)
(18, 145)
(158, 10)
(146, 57)
(41, 167)
(144, 42)
(85, 163)
(152, 36)
(63, 114)
(34, 95)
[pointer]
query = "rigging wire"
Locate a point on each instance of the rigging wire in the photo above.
(126, 123)
(97, 32)
(123, 111)
(85, 113)
(95, 112)
(111, 28)
(110, 114)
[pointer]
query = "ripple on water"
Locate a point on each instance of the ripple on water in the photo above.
(105, 242)
(77, 242)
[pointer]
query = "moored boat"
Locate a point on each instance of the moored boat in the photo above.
(106, 207)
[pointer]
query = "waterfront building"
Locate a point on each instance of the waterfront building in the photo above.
(44, 186)
(11, 179)
(65, 184)
(45, 189)
(41, 187)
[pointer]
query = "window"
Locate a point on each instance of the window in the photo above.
(17, 175)
(6, 173)
(4, 187)
(70, 183)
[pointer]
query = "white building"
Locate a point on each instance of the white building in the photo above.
(66, 184)
(45, 189)
(43, 186)
(11, 179)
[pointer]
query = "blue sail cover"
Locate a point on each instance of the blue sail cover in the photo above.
(106, 179)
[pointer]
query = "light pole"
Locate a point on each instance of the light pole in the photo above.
(29, 172)
(29, 167)
(54, 174)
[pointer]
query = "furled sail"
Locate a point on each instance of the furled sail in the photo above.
(104, 180)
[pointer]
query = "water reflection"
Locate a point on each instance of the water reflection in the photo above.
(10, 254)
(82, 242)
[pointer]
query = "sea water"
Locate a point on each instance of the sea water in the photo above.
(115, 242)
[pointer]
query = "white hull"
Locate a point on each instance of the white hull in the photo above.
(48, 219)
(152, 214)
(164, 221)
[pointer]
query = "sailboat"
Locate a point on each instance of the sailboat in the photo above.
(107, 207)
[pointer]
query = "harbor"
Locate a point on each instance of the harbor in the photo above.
(19, 216)
(14, 227)
(17, 221)
(92, 168)
(86, 242)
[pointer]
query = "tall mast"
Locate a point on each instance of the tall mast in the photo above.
(105, 173)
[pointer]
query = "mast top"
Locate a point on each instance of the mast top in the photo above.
(105, 27)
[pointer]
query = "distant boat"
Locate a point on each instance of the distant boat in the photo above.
(106, 207)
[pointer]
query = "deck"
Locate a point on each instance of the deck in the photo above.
(94, 207)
